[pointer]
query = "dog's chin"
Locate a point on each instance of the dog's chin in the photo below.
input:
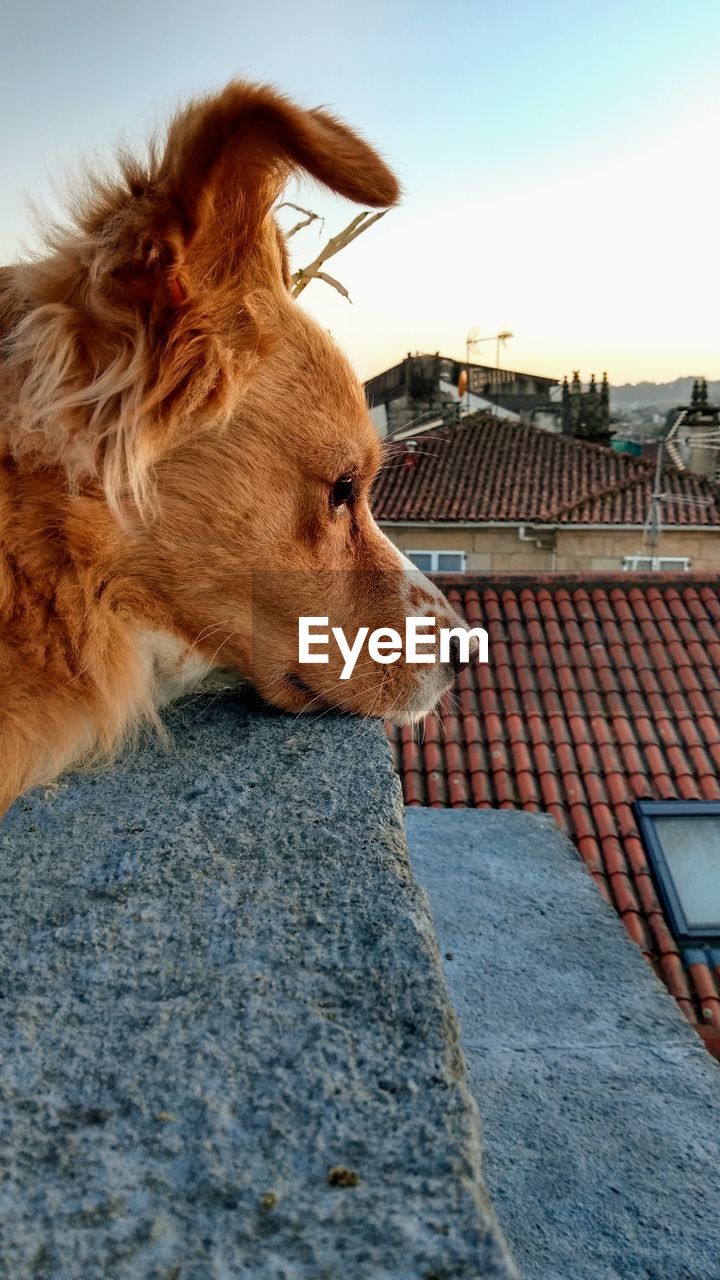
(287, 691)
(291, 692)
(298, 695)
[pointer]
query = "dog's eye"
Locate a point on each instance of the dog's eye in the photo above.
(342, 491)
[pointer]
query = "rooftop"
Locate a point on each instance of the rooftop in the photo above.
(597, 693)
(572, 1044)
(489, 470)
(429, 367)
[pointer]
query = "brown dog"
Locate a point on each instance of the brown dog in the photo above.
(185, 457)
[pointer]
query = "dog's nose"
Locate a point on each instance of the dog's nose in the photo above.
(455, 653)
(457, 661)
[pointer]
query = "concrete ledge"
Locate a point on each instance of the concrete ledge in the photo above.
(601, 1108)
(226, 1047)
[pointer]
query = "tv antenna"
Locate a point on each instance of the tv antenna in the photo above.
(474, 339)
(677, 444)
(679, 441)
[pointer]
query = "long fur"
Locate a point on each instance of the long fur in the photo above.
(171, 423)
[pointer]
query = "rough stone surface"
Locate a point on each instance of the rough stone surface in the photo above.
(601, 1107)
(226, 1047)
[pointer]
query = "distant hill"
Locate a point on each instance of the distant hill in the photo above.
(660, 395)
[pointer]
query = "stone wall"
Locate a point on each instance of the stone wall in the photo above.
(227, 1050)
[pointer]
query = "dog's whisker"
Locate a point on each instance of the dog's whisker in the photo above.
(221, 646)
(207, 631)
(378, 695)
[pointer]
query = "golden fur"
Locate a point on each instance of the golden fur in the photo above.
(172, 425)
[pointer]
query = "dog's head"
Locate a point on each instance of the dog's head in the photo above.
(159, 350)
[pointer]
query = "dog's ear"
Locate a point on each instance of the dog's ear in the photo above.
(239, 138)
(199, 206)
(142, 327)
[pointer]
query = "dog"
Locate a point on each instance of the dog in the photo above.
(186, 457)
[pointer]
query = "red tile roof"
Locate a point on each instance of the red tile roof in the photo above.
(490, 470)
(598, 691)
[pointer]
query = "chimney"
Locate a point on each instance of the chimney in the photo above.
(702, 424)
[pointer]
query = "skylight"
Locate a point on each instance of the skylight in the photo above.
(682, 841)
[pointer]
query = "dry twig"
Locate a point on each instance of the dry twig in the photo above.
(302, 278)
(309, 217)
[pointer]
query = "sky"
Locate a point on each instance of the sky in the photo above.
(558, 159)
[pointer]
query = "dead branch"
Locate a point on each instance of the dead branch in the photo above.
(322, 275)
(310, 217)
(345, 237)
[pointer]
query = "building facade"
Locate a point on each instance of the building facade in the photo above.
(488, 495)
(423, 387)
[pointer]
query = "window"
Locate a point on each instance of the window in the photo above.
(438, 561)
(666, 563)
(663, 564)
(682, 841)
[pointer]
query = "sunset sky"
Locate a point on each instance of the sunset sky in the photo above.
(559, 159)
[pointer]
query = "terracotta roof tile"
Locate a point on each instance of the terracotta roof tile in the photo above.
(484, 469)
(595, 694)
(639, 932)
